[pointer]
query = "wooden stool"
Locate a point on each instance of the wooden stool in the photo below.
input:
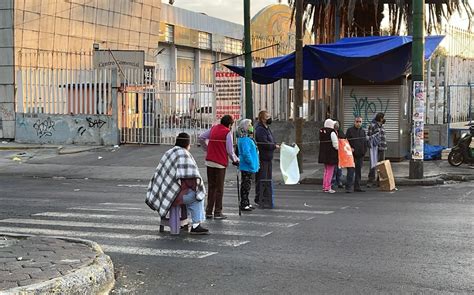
(178, 217)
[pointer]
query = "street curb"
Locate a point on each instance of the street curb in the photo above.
(62, 150)
(97, 278)
(29, 147)
(67, 151)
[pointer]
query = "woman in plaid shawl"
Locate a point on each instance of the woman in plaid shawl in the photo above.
(177, 181)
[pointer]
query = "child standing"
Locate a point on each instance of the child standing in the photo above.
(249, 163)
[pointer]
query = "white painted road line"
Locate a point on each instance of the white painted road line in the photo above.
(133, 185)
(108, 210)
(138, 227)
(156, 252)
(151, 213)
(286, 211)
(148, 218)
(109, 236)
(323, 212)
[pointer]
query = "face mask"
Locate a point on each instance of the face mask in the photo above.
(269, 121)
(250, 130)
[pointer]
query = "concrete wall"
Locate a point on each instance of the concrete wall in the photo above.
(7, 81)
(437, 134)
(65, 129)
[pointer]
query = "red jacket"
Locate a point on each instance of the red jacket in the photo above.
(216, 148)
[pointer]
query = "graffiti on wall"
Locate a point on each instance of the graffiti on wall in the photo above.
(367, 108)
(91, 123)
(95, 123)
(44, 128)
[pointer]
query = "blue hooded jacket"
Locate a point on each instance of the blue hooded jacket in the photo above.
(248, 155)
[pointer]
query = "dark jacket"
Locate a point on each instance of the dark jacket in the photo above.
(327, 153)
(378, 130)
(265, 142)
(357, 140)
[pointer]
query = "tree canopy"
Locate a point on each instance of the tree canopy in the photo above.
(364, 17)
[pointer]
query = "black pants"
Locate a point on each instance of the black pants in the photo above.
(263, 185)
(351, 182)
(380, 157)
(245, 187)
(215, 190)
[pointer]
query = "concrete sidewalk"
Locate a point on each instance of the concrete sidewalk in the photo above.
(138, 162)
(49, 265)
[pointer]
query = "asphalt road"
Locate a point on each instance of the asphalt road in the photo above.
(415, 240)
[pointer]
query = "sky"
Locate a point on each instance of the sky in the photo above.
(231, 10)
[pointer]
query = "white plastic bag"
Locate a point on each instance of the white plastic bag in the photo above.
(289, 164)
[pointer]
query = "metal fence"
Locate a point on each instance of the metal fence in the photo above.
(154, 110)
(460, 100)
(57, 91)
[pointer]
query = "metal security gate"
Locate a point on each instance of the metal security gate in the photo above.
(155, 107)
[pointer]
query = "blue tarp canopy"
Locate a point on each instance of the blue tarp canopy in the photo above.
(377, 59)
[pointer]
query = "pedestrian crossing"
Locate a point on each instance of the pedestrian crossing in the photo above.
(132, 228)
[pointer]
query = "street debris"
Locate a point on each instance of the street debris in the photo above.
(16, 159)
(99, 157)
(76, 189)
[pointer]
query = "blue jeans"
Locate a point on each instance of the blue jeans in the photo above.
(194, 206)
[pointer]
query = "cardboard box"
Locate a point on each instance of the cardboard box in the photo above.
(386, 179)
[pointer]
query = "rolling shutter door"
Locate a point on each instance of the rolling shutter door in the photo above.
(368, 100)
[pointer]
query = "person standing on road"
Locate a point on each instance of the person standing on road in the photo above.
(337, 176)
(328, 156)
(219, 145)
(378, 145)
(249, 163)
(358, 141)
(177, 181)
(266, 147)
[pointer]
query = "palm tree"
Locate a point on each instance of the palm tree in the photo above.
(364, 17)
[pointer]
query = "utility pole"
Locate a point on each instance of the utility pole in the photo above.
(248, 62)
(418, 97)
(298, 89)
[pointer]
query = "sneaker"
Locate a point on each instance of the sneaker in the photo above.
(340, 185)
(208, 216)
(199, 230)
(251, 207)
(359, 190)
(331, 191)
(219, 216)
(348, 192)
(246, 208)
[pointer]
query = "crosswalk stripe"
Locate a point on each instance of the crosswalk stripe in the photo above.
(156, 252)
(227, 187)
(99, 209)
(249, 214)
(132, 185)
(140, 227)
(149, 218)
(323, 212)
(104, 235)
